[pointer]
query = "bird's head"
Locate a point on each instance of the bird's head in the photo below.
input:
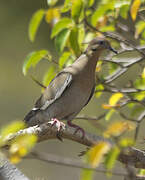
(98, 45)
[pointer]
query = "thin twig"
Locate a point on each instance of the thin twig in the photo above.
(91, 118)
(139, 120)
(59, 160)
(114, 36)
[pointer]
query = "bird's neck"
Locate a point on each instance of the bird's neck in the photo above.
(87, 62)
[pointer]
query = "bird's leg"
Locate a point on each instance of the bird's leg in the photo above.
(77, 128)
(60, 125)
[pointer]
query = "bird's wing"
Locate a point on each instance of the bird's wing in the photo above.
(55, 89)
(92, 92)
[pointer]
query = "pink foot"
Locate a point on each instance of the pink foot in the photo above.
(59, 125)
(77, 128)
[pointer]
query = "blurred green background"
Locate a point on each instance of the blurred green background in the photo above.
(18, 93)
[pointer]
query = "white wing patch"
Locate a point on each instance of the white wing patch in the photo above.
(35, 109)
(47, 103)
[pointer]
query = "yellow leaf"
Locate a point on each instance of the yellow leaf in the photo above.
(21, 146)
(102, 22)
(115, 98)
(9, 129)
(143, 74)
(126, 142)
(22, 151)
(106, 106)
(96, 153)
(98, 67)
(99, 90)
(15, 159)
(52, 14)
(118, 128)
(49, 15)
(134, 9)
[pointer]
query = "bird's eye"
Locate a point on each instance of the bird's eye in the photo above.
(101, 42)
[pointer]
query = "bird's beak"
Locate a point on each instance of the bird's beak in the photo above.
(113, 50)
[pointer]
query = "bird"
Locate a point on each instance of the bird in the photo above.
(70, 90)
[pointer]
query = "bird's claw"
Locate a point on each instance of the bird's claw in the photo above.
(57, 123)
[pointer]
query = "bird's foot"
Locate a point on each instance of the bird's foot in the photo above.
(77, 128)
(60, 126)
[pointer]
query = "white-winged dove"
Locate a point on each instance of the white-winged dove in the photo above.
(70, 90)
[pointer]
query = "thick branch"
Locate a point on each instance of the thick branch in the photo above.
(45, 131)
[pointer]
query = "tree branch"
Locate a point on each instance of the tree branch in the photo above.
(55, 159)
(45, 132)
(9, 172)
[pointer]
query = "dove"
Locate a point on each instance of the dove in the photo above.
(70, 90)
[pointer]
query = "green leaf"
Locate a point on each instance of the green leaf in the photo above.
(87, 174)
(32, 59)
(141, 172)
(139, 96)
(140, 83)
(112, 157)
(91, 2)
(136, 110)
(76, 9)
(140, 27)
(67, 6)
(60, 25)
(49, 75)
(61, 39)
(99, 88)
(131, 105)
(101, 11)
(73, 40)
(143, 35)
(81, 35)
(112, 67)
(107, 28)
(124, 11)
(35, 23)
(109, 114)
(70, 60)
(126, 142)
(63, 59)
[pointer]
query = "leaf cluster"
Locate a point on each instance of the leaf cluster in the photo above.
(76, 21)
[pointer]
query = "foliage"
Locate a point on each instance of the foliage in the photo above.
(74, 22)
(20, 146)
